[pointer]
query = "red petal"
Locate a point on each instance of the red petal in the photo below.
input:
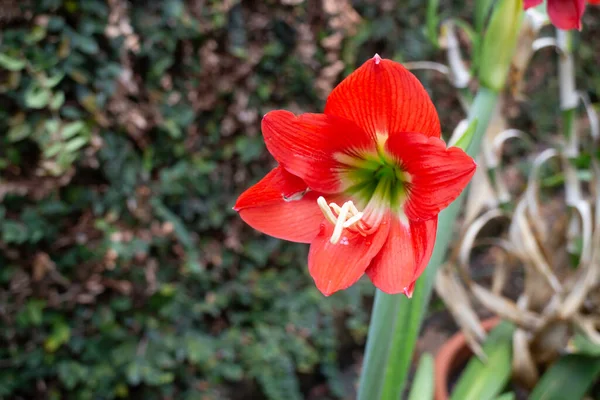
(404, 256)
(566, 14)
(384, 98)
(278, 206)
(437, 174)
(531, 3)
(594, 2)
(337, 266)
(307, 146)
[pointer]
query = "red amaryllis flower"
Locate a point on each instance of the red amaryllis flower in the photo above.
(564, 14)
(363, 183)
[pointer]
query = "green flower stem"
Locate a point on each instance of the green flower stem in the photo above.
(481, 110)
(396, 320)
(569, 101)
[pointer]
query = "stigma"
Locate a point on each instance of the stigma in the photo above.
(345, 217)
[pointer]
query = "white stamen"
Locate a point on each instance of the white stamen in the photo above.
(342, 217)
(326, 210)
(339, 225)
(353, 220)
(335, 207)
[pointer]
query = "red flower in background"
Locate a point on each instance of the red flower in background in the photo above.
(564, 14)
(363, 183)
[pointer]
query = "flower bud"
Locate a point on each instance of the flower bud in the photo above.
(499, 43)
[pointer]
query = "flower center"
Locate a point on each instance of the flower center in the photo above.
(377, 183)
(377, 180)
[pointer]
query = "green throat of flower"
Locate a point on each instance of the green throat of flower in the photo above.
(377, 181)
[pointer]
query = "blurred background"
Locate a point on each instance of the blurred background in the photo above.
(129, 128)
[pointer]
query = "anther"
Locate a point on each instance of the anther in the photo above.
(344, 217)
(339, 225)
(326, 210)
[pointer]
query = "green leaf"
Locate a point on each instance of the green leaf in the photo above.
(61, 332)
(484, 380)
(181, 232)
(249, 149)
(75, 144)
(464, 141)
(52, 126)
(133, 372)
(71, 373)
(19, 132)
(156, 377)
(580, 344)
(86, 44)
(432, 21)
(71, 129)
(58, 99)
(36, 96)
(568, 378)
(36, 34)
(52, 81)
(482, 11)
(11, 63)
(32, 313)
(172, 129)
(53, 150)
(199, 349)
(232, 372)
(14, 232)
(424, 381)
(506, 396)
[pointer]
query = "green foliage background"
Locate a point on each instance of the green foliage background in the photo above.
(128, 130)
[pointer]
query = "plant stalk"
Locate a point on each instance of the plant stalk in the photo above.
(569, 100)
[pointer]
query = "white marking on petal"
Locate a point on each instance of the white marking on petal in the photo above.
(295, 196)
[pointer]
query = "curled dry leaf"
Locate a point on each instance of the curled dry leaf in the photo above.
(484, 197)
(505, 308)
(558, 298)
(522, 236)
(459, 71)
(449, 288)
(553, 239)
(592, 116)
(524, 367)
(468, 239)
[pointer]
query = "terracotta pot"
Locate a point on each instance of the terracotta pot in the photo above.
(452, 355)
